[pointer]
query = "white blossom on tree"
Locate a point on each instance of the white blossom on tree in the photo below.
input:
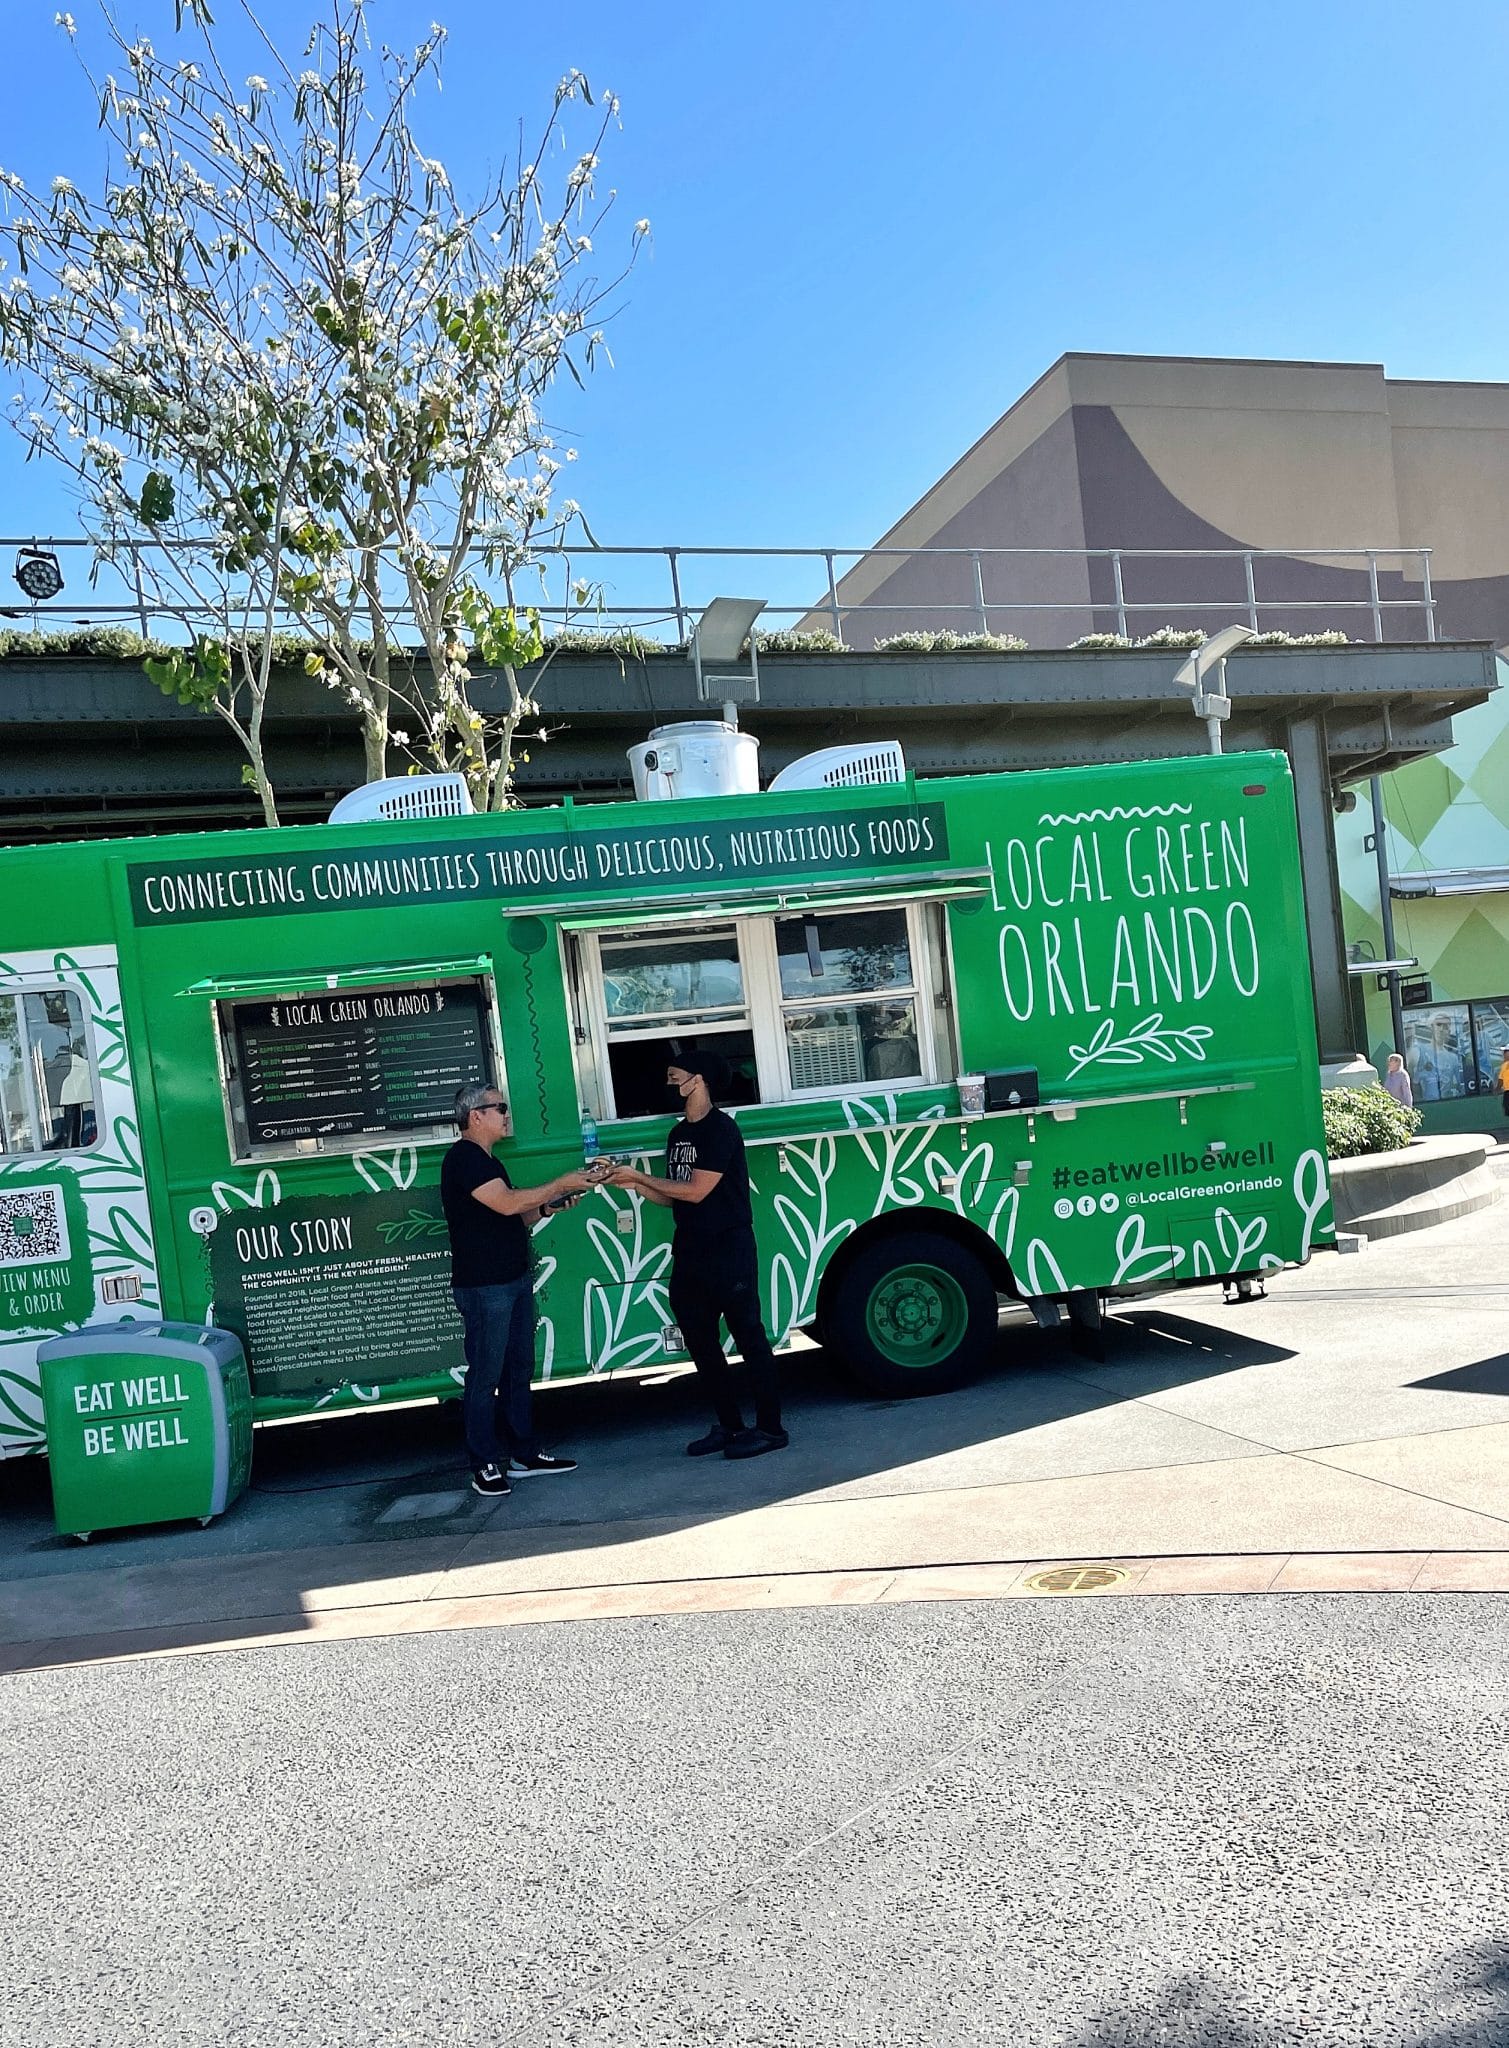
(300, 380)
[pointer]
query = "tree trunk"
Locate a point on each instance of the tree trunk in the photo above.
(374, 746)
(265, 791)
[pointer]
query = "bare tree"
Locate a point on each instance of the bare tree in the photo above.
(300, 380)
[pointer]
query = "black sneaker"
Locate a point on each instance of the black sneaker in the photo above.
(754, 1443)
(492, 1481)
(717, 1439)
(526, 1468)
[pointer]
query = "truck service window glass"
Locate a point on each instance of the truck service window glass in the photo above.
(47, 1090)
(832, 1041)
(335, 1066)
(668, 978)
(664, 994)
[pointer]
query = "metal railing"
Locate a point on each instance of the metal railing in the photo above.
(675, 595)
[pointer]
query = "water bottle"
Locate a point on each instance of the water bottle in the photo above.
(589, 1137)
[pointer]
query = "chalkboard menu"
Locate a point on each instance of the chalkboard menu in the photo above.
(358, 1060)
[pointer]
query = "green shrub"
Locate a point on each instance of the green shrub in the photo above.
(1360, 1120)
(1183, 637)
(623, 641)
(950, 643)
(1191, 636)
(789, 641)
(1331, 639)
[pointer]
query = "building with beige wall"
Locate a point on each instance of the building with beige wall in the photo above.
(1192, 456)
(1198, 459)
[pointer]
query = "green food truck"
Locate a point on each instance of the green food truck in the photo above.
(1045, 1035)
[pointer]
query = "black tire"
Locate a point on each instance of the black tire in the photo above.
(933, 1298)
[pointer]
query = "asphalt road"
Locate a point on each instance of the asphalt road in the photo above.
(1058, 1824)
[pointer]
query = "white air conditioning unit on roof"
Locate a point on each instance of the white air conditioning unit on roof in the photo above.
(852, 767)
(405, 796)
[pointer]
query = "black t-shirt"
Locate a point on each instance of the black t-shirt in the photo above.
(714, 1144)
(487, 1249)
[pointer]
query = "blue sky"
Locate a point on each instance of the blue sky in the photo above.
(875, 225)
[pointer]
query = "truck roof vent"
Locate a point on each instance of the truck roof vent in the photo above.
(405, 796)
(845, 767)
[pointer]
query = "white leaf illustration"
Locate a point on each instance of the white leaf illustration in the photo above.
(1237, 1239)
(1149, 1037)
(265, 1195)
(1044, 1275)
(396, 1169)
(798, 1226)
(1138, 1260)
(784, 1296)
(611, 1248)
(801, 1169)
(1313, 1195)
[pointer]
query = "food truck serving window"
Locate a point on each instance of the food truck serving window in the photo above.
(329, 1068)
(810, 1003)
(47, 1086)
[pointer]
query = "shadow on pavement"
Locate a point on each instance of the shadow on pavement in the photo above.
(377, 1509)
(1483, 1376)
(1195, 2013)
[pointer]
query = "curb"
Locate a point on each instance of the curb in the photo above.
(1402, 1571)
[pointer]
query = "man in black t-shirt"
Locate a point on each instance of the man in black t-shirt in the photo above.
(489, 1221)
(715, 1276)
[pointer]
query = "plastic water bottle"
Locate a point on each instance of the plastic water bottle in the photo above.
(589, 1136)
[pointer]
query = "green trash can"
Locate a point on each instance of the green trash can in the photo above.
(146, 1422)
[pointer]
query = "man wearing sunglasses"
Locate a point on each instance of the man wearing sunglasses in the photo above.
(489, 1221)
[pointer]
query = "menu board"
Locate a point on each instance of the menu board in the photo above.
(357, 1060)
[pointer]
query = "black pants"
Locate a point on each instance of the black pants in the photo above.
(720, 1282)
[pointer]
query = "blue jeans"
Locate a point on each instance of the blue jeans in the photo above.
(499, 1342)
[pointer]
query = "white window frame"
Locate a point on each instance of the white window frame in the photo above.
(764, 1004)
(35, 1095)
(917, 992)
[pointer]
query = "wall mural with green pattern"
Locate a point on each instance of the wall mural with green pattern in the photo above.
(1449, 812)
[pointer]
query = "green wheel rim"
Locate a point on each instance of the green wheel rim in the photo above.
(917, 1316)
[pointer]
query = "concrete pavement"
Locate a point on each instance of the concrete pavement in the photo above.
(1117, 1823)
(1361, 1409)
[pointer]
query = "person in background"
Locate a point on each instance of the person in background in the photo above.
(1504, 1079)
(489, 1221)
(1397, 1081)
(715, 1276)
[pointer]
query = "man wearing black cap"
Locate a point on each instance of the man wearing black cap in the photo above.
(715, 1276)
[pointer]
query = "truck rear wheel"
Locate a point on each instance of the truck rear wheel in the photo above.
(912, 1313)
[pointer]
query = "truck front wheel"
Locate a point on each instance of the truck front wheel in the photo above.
(912, 1313)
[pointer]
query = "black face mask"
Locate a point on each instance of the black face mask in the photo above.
(673, 1089)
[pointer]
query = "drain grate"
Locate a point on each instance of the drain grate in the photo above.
(1077, 1578)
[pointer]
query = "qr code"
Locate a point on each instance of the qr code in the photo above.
(32, 1227)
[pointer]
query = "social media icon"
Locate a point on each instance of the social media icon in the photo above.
(1086, 1205)
(1109, 1204)
(1063, 1207)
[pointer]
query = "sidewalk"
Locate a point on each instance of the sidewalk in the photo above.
(1358, 1415)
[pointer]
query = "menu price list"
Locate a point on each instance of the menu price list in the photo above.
(327, 1066)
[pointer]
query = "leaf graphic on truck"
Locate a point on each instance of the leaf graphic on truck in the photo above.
(1150, 1037)
(417, 1223)
(793, 1281)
